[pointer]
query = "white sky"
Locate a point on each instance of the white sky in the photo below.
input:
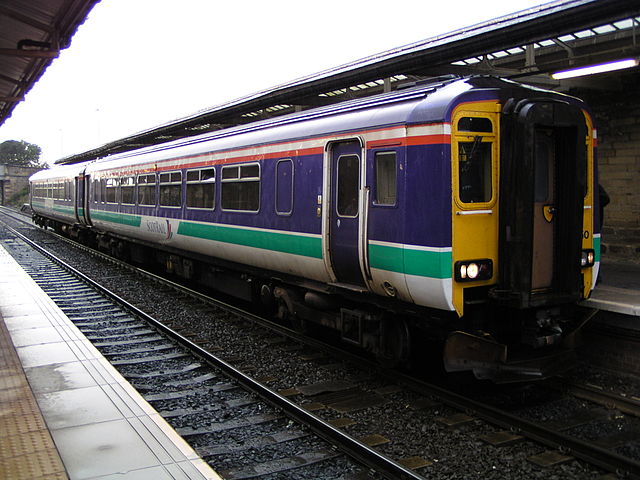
(135, 64)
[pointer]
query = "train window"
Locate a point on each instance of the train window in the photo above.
(230, 173)
(284, 187)
(208, 174)
(474, 171)
(249, 171)
(241, 188)
(201, 188)
(127, 190)
(386, 184)
(171, 177)
(147, 189)
(348, 185)
(110, 190)
(541, 170)
(171, 189)
(475, 124)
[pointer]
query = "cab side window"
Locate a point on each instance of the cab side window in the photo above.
(385, 164)
(475, 160)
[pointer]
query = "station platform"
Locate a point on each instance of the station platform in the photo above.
(618, 290)
(65, 412)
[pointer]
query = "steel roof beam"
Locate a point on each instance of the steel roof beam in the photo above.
(18, 52)
(7, 79)
(26, 19)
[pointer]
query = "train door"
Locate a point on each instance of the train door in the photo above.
(344, 190)
(78, 201)
(543, 209)
(88, 193)
(81, 201)
(543, 179)
(475, 174)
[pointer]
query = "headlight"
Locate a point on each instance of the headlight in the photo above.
(588, 258)
(473, 270)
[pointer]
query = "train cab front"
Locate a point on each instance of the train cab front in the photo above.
(525, 250)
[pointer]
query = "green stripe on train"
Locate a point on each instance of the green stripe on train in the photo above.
(596, 247)
(409, 261)
(63, 209)
(279, 242)
(114, 217)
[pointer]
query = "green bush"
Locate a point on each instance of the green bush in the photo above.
(19, 198)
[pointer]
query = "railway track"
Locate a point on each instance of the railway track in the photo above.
(430, 413)
(173, 373)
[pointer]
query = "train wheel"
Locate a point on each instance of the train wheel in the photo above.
(285, 310)
(395, 342)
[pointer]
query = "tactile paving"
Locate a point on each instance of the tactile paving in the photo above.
(26, 448)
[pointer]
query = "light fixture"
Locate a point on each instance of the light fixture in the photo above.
(472, 270)
(600, 68)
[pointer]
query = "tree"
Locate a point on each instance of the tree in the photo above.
(20, 153)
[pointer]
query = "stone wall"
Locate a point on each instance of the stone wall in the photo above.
(617, 117)
(13, 180)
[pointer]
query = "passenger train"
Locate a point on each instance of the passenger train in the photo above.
(462, 211)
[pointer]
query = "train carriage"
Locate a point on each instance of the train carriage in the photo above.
(54, 193)
(436, 208)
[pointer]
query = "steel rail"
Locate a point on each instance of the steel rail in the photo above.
(627, 404)
(356, 450)
(588, 452)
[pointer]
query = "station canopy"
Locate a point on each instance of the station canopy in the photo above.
(526, 46)
(32, 34)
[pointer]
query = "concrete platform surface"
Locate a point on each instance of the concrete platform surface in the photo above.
(57, 389)
(618, 289)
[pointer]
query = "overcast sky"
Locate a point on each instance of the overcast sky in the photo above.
(135, 64)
